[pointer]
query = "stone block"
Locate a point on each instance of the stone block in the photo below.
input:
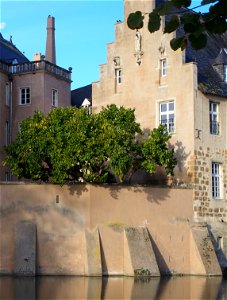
(112, 249)
(140, 252)
(206, 250)
(93, 265)
(25, 249)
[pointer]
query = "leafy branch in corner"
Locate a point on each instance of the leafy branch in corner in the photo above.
(194, 25)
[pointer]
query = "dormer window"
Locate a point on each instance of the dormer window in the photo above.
(225, 73)
(220, 64)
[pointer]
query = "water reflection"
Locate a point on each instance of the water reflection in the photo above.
(54, 287)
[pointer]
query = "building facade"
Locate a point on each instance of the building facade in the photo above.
(28, 86)
(187, 92)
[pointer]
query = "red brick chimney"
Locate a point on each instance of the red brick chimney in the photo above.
(50, 42)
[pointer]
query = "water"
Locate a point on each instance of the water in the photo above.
(64, 288)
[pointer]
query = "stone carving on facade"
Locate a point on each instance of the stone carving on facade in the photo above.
(116, 61)
(162, 49)
(138, 47)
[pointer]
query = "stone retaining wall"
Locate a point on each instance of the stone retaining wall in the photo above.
(84, 230)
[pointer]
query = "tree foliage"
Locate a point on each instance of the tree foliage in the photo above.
(70, 145)
(194, 26)
(156, 152)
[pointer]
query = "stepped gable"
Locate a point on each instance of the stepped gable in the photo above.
(9, 52)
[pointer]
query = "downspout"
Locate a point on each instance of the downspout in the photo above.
(11, 108)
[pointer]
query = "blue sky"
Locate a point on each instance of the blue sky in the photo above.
(83, 28)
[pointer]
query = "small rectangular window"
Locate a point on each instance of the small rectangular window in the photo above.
(163, 67)
(7, 94)
(214, 118)
(167, 115)
(54, 100)
(25, 96)
(118, 75)
(216, 180)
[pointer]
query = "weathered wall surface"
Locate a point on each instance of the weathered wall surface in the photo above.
(82, 229)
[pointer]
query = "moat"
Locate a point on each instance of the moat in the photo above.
(82, 288)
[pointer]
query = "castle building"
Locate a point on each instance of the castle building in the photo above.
(186, 91)
(27, 86)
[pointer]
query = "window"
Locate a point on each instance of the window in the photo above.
(225, 73)
(167, 115)
(7, 94)
(13, 67)
(216, 180)
(7, 176)
(163, 67)
(214, 124)
(54, 100)
(25, 96)
(220, 242)
(118, 74)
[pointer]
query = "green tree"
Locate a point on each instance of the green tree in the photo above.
(71, 145)
(194, 26)
(120, 130)
(156, 151)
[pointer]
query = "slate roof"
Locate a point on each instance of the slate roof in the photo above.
(210, 63)
(9, 52)
(78, 95)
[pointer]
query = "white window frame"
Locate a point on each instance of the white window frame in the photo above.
(214, 117)
(118, 75)
(225, 73)
(54, 98)
(7, 94)
(27, 98)
(168, 122)
(216, 177)
(163, 67)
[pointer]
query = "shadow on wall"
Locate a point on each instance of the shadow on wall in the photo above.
(218, 244)
(77, 189)
(182, 157)
(162, 265)
(153, 194)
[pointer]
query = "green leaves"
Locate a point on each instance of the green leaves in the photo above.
(156, 152)
(172, 25)
(154, 22)
(181, 3)
(177, 43)
(198, 41)
(135, 20)
(69, 145)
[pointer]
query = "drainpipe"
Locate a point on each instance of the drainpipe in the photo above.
(11, 108)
